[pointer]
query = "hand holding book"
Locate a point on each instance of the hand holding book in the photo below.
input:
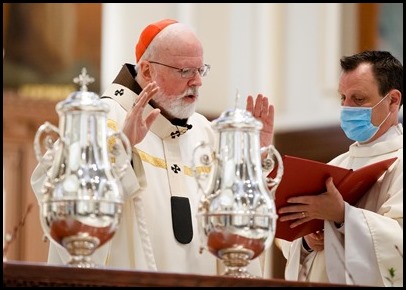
(307, 177)
(328, 205)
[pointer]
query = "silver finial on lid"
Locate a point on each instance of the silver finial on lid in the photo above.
(83, 79)
(237, 98)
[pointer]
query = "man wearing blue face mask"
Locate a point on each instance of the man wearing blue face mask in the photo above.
(357, 122)
(360, 244)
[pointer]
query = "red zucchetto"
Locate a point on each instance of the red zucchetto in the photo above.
(148, 34)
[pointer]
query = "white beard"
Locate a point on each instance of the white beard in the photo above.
(176, 107)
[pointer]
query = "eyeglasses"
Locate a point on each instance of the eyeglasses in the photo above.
(188, 72)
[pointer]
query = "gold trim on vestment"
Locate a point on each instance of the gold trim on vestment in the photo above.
(161, 163)
(154, 161)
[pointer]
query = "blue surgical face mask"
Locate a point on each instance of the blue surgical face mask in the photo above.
(356, 122)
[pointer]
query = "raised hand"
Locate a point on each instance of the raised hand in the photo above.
(264, 112)
(135, 127)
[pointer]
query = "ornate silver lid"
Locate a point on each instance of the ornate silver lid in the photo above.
(237, 119)
(82, 100)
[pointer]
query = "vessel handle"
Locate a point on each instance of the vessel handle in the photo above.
(206, 160)
(120, 170)
(48, 143)
(269, 164)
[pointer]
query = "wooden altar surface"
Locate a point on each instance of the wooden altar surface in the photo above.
(17, 273)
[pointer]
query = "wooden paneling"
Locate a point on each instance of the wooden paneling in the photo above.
(321, 144)
(368, 23)
(48, 43)
(21, 120)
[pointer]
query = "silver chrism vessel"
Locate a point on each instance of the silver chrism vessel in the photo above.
(236, 214)
(81, 197)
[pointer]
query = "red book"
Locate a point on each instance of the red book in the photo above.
(307, 177)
